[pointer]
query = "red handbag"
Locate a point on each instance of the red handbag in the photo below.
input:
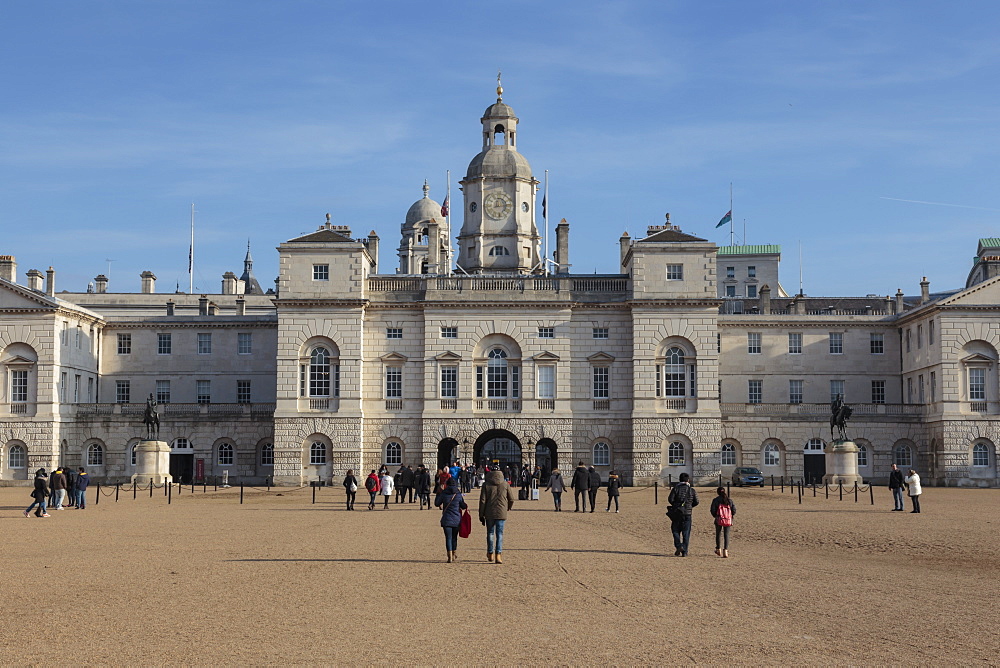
(465, 526)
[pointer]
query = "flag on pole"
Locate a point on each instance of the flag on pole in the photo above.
(726, 219)
(190, 253)
(444, 207)
(545, 211)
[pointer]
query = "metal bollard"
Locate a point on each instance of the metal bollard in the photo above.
(204, 486)
(656, 492)
(781, 482)
(800, 494)
(164, 486)
(855, 491)
(814, 489)
(241, 492)
(826, 490)
(117, 486)
(180, 488)
(97, 499)
(840, 487)
(151, 488)
(133, 490)
(871, 492)
(314, 493)
(170, 492)
(727, 489)
(772, 483)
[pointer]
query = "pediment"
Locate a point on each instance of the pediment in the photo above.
(600, 357)
(393, 357)
(977, 358)
(986, 293)
(448, 356)
(546, 356)
(14, 296)
(17, 360)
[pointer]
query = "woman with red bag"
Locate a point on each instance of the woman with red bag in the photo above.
(723, 510)
(452, 503)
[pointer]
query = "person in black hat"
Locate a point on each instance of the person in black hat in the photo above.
(40, 493)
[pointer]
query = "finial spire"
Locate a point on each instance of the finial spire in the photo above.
(499, 88)
(427, 189)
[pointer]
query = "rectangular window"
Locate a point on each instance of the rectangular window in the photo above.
(243, 391)
(123, 391)
(751, 272)
(751, 291)
(164, 344)
(909, 333)
(602, 382)
(977, 384)
(933, 385)
(479, 381)
(62, 387)
(546, 382)
(78, 336)
(837, 390)
(393, 382)
(449, 382)
(876, 343)
(204, 391)
(755, 391)
(675, 272)
(546, 332)
(124, 344)
(909, 390)
(393, 332)
(204, 343)
(163, 391)
(878, 391)
(63, 334)
(90, 390)
(920, 388)
(335, 380)
(244, 343)
(449, 332)
(730, 272)
(19, 385)
(836, 343)
(930, 333)
(753, 343)
(730, 290)
(795, 343)
(76, 389)
(920, 337)
(600, 332)
(321, 272)
(795, 391)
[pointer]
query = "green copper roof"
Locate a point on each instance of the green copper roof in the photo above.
(991, 242)
(763, 249)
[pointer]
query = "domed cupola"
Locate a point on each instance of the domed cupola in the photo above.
(498, 231)
(425, 220)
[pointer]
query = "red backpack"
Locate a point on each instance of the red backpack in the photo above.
(724, 515)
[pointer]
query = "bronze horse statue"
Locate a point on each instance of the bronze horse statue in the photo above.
(840, 413)
(151, 419)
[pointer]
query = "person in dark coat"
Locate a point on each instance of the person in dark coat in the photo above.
(70, 486)
(683, 498)
(896, 487)
(495, 499)
(614, 484)
(558, 486)
(40, 493)
(595, 485)
(580, 486)
(82, 482)
(722, 530)
(350, 488)
(406, 481)
(422, 482)
(397, 484)
(452, 503)
(57, 484)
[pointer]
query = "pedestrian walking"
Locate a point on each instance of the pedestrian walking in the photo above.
(595, 486)
(723, 510)
(495, 499)
(558, 486)
(57, 482)
(896, 487)
(397, 483)
(683, 498)
(912, 481)
(350, 488)
(40, 493)
(452, 503)
(387, 484)
(82, 482)
(422, 482)
(70, 486)
(406, 480)
(580, 486)
(614, 485)
(373, 485)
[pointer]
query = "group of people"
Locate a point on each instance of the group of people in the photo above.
(911, 482)
(680, 506)
(65, 488)
(585, 484)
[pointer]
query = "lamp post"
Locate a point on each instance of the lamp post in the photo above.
(465, 452)
(531, 446)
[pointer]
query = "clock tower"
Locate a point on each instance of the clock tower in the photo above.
(499, 234)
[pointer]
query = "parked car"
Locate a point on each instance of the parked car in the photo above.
(747, 475)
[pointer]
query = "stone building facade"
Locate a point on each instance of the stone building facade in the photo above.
(691, 358)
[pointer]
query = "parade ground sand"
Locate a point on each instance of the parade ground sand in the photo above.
(279, 580)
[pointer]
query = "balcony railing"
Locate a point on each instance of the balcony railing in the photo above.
(602, 404)
(449, 404)
(818, 410)
(19, 408)
(546, 404)
(498, 405)
(673, 404)
(221, 410)
(394, 404)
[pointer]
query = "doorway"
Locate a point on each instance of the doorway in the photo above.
(447, 452)
(182, 468)
(813, 462)
(498, 448)
(546, 457)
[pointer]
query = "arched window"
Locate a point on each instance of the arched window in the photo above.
(862, 455)
(132, 453)
(95, 455)
(497, 377)
(319, 372)
(225, 454)
(317, 453)
(814, 446)
(393, 454)
(267, 454)
(17, 457)
(674, 372)
(602, 454)
(675, 454)
(728, 454)
(772, 455)
(902, 455)
(980, 455)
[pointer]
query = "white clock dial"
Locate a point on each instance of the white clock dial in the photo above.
(497, 206)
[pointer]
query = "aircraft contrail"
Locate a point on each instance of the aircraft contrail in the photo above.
(960, 206)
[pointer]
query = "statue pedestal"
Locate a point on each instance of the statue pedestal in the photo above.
(152, 462)
(842, 463)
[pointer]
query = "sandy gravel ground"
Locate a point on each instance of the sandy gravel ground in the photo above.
(279, 580)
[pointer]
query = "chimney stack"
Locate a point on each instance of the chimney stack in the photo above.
(213, 308)
(241, 305)
(373, 251)
(148, 282)
(50, 282)
(101, 283)
(562, 247)
(765, 299)
(925, 291)
(433, 247)
(8, 268)
(229, 283)
(203, 305)
(624, 243)
(35, 280)
(899, 301)
(170, 307)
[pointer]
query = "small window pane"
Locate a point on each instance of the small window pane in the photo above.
(204, 343)
(675, 454)
(164, 344)
(449, 332)
(95, 455)
(225, 454)
(243, 391)
(600, 332)
(204, 391)
(17, 458)
(546, 332)
(393, 332)
(321, 272)
(836, 343)
(449, 382)
(317, 453)
(753, 343)
(772, 455)
(267, 454)
(124, 344)
(728, 454)
(244, 343)
(602, 382)
(795, 343)
(877, 343)
(393, 454)
(602, 454)
(980, 455)
(755, 391)
(675, 272)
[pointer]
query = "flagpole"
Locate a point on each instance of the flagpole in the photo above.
(731, 242)
(545, 215)
(191, 255)
(447, 198)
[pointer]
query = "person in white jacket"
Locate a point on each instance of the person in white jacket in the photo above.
(387, 487)
(912, 481)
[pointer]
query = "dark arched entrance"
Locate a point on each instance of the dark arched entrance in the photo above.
(447, 452)
(546, 456)
(497, 448)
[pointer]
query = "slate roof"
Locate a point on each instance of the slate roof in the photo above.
(321, 236)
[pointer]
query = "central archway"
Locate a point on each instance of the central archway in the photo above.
(447, 452)
(497, 447)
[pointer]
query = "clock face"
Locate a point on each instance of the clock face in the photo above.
(497, 205)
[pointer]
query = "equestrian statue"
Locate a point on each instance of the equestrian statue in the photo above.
(840, 413)
(151, 419)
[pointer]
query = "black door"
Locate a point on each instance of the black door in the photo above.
(814, 468)
(182, 468)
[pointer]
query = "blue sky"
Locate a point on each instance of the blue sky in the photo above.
(267, 115)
